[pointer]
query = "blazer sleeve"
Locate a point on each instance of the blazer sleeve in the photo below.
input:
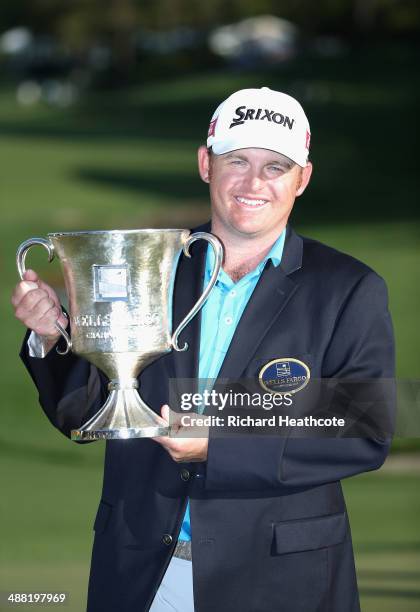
(361, 347)
(71, 390)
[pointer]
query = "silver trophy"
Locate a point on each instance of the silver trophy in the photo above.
(120, 286)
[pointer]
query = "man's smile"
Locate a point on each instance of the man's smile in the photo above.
(250, 202)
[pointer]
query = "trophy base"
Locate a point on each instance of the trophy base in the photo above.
(119, 434)
(124, 415)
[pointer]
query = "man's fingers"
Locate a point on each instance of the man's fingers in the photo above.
(169, 444)
(32, 282)
(29, 300)
(45, 308)
(42, 318)
(184, 450)
(164, 441)
(61, 318)
(49, 290)
(172, 446)
(37, 309)
(37, 305)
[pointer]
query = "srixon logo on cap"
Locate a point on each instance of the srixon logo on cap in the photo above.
(262, 114)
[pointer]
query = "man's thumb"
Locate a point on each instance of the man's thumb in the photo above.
(31, 275)
(164, 411)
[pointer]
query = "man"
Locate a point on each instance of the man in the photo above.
(263, 518)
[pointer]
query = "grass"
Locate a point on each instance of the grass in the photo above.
(384, 510)
(128, 160)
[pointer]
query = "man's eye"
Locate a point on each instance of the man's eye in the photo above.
(278, 169)
(237, 162)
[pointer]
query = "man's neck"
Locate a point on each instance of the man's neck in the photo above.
(243, 254)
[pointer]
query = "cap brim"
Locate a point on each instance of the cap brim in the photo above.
(226, 146)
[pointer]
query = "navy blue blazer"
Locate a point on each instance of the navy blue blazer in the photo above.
(269, 523)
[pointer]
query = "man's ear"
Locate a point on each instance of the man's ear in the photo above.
(305, 178)
(204, 163)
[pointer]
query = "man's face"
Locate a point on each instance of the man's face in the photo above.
(252, 190)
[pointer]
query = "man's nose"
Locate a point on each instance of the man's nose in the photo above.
(255, 179)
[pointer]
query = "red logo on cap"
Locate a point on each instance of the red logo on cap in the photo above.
(212, 127)
(308, 139)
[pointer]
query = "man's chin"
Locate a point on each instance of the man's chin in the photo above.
(248, 233)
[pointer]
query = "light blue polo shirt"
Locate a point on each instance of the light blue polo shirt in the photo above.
(219, 318)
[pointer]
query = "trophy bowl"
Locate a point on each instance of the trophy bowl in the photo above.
(120, 289)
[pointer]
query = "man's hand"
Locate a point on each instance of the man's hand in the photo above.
(37, 306)
(183, 449)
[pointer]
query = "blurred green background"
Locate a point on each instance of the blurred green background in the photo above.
(102, 107)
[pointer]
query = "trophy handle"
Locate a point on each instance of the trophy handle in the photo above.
(218, 257)
(20, 262)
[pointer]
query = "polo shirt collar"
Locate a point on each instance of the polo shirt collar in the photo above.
(275, 255)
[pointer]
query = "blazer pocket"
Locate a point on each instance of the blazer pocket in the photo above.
(309, 534)
(110, 522)
(102, 517)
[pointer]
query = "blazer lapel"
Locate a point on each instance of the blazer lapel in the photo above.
(273, 291)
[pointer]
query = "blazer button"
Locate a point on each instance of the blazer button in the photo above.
(185, 475)
(167, 539)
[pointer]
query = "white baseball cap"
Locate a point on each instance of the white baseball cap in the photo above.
(261, 118)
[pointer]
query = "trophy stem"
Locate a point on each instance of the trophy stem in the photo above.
(124, 415)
